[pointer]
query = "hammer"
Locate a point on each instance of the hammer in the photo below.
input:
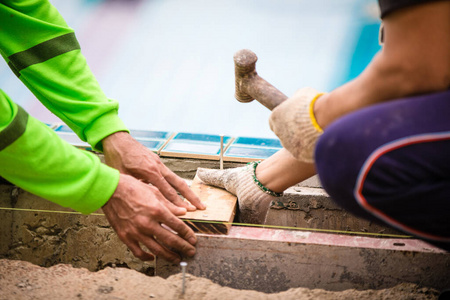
(250, 86)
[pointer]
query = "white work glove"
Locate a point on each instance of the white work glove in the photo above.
(253, 201)
(294, 123)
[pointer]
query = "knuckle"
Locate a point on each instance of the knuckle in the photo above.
(141, 221)
(138, 253)
(157, 252)
(152, 172)
(154, 190)
(172, 194)
(157, 209)
(187, 248)
(122, 238)
(122, 235)
(155, 212)
(126, 234)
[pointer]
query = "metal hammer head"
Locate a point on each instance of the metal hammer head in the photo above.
(244, 68)
(250, 86)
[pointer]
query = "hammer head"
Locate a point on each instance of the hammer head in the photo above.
(244, 68)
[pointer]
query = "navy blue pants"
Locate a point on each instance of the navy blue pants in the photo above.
(391, 162)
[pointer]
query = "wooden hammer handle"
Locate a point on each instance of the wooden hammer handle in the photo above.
(250, 86)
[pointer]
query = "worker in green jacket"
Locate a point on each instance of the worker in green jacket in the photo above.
(43, 52)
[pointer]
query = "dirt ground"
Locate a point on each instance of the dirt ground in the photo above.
(23, 280)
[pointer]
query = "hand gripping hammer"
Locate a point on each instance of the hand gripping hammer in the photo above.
(250, 86)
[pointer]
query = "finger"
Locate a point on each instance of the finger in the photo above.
(181, 186)
(176, 210)
(178, 226)
(169, 192)
(138, 252)
(159, 250)
(168, 239)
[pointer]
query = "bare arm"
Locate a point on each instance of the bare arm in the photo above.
(415, 59)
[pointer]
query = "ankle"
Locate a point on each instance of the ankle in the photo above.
(263, 184)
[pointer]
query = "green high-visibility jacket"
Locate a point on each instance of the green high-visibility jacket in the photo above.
(43, 52)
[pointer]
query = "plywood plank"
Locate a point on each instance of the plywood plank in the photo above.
(220, 211)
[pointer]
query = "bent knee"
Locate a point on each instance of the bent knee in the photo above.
(413, 76)
(338, 165)
(421, 78)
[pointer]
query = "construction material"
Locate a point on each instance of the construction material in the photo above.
(273, 260)
(312, 209)
(219, 213)
(247, 149)
(263, 259)
(195, 145)
(221, 152)
(183, 265)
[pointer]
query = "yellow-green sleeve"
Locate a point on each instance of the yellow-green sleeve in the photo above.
(42, 50)
(34, 158)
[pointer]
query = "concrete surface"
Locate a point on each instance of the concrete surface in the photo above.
(311, 207)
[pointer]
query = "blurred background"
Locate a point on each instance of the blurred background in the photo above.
(169, 63)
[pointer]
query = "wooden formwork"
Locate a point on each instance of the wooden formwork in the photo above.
(263, 259)
(274, 260)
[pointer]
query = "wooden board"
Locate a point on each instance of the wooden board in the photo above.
(274, 260)
(219, 213)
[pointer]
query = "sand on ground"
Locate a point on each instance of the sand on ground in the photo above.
(23, 280)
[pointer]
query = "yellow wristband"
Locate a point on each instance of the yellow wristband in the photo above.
(311, 113)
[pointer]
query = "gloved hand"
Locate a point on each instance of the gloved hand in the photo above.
(253, 201)
(294, 123)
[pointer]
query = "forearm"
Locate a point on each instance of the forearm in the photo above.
(34, 158)
(415, 59)
(378, 83)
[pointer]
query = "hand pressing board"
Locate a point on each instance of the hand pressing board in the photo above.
(219, 213)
